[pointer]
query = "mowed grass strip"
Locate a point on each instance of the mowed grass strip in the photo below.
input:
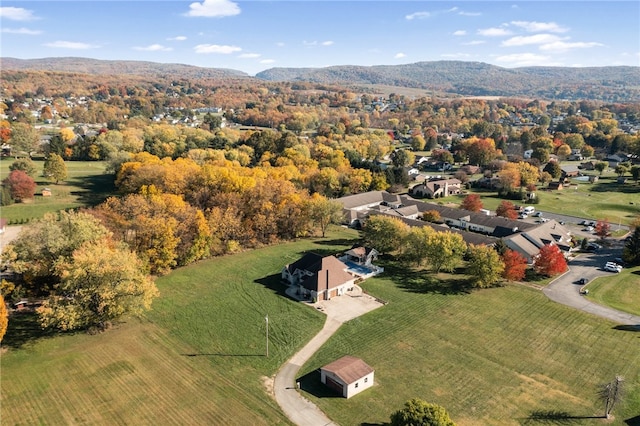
(87, 184)
(197, 358)
(619, 291)
(492, 357)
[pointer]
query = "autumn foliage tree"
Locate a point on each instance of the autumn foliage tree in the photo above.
(515, 265)
(603, 228)
(549, 261)
(4, 318)
(472, 203)
(21, 185)
(484, 266)
(507, 209)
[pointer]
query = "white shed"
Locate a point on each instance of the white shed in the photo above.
(348, 376)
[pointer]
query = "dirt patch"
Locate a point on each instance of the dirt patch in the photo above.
(267, 382)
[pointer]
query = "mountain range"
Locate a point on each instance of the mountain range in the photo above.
(450, 78)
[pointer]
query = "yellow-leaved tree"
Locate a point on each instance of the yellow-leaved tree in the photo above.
(101, 282)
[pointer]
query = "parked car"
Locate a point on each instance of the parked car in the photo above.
(588, 229)
(537, 214)
(583, 281)
(619, 261)
(612, 267)
(523, 216)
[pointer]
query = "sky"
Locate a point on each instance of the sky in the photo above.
(253, 36)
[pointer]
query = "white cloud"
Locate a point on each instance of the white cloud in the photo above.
(178, 38)
(71, 45)
(562, 46)
(470, 13)
(327, 43)
(17, 14)
(474, 43)
(525, 59)
(154, 48)
(418, 15)
(280, 44)
(25, 31)
(459, 33)
(534, 27)
(267, 61)
(249, 55)
(534, 39)
(213, 9)
(399, 55)
(216, 48)
(494, 32)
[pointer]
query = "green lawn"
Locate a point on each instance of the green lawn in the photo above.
(197, 358)
(606, 199)
(87, 184)
(492, 357)
(620, 291)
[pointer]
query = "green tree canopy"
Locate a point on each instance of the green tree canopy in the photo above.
(384, 233)
(445, 250)
(26, 165)
(55, 168)
(417, 412)
(485, 266)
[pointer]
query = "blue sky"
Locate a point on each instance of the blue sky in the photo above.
(252, 36)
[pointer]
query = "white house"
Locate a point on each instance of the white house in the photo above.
(348, 376)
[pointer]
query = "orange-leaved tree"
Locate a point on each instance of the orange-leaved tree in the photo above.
(515, 265)
(507, 209)
(471, 202)
(550, 261)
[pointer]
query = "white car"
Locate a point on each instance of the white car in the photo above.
(589, 229)
(612, 267)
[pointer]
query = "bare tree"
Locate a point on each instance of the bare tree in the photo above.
(611, 393)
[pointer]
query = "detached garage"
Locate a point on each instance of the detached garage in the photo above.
(348, 376)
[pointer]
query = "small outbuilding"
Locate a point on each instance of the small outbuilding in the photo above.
(348, 376)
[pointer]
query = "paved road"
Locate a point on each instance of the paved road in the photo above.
(565, 289)
(340, 309)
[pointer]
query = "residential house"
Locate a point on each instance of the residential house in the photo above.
(569, 171)
(555, 186)
(437, 188)
(588, 165)
(361, 255)
(348, 376)
(319, 277)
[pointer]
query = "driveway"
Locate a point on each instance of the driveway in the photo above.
(340, 309)
(10, 233)
(566, 291)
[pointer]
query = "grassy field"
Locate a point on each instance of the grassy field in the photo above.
(493, 357)
(620, 291)
(87, 184)
(197, 358)
(619, 203)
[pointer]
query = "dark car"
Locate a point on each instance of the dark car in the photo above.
(583, 281)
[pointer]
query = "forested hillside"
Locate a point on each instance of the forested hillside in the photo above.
(444, 78)
(615, 84)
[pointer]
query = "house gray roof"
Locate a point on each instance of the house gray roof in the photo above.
(362, 200)
(349, 369)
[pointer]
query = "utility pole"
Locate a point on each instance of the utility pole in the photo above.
(266, 318)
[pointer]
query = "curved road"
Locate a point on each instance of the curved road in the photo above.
(566, 291)
(339, 310)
